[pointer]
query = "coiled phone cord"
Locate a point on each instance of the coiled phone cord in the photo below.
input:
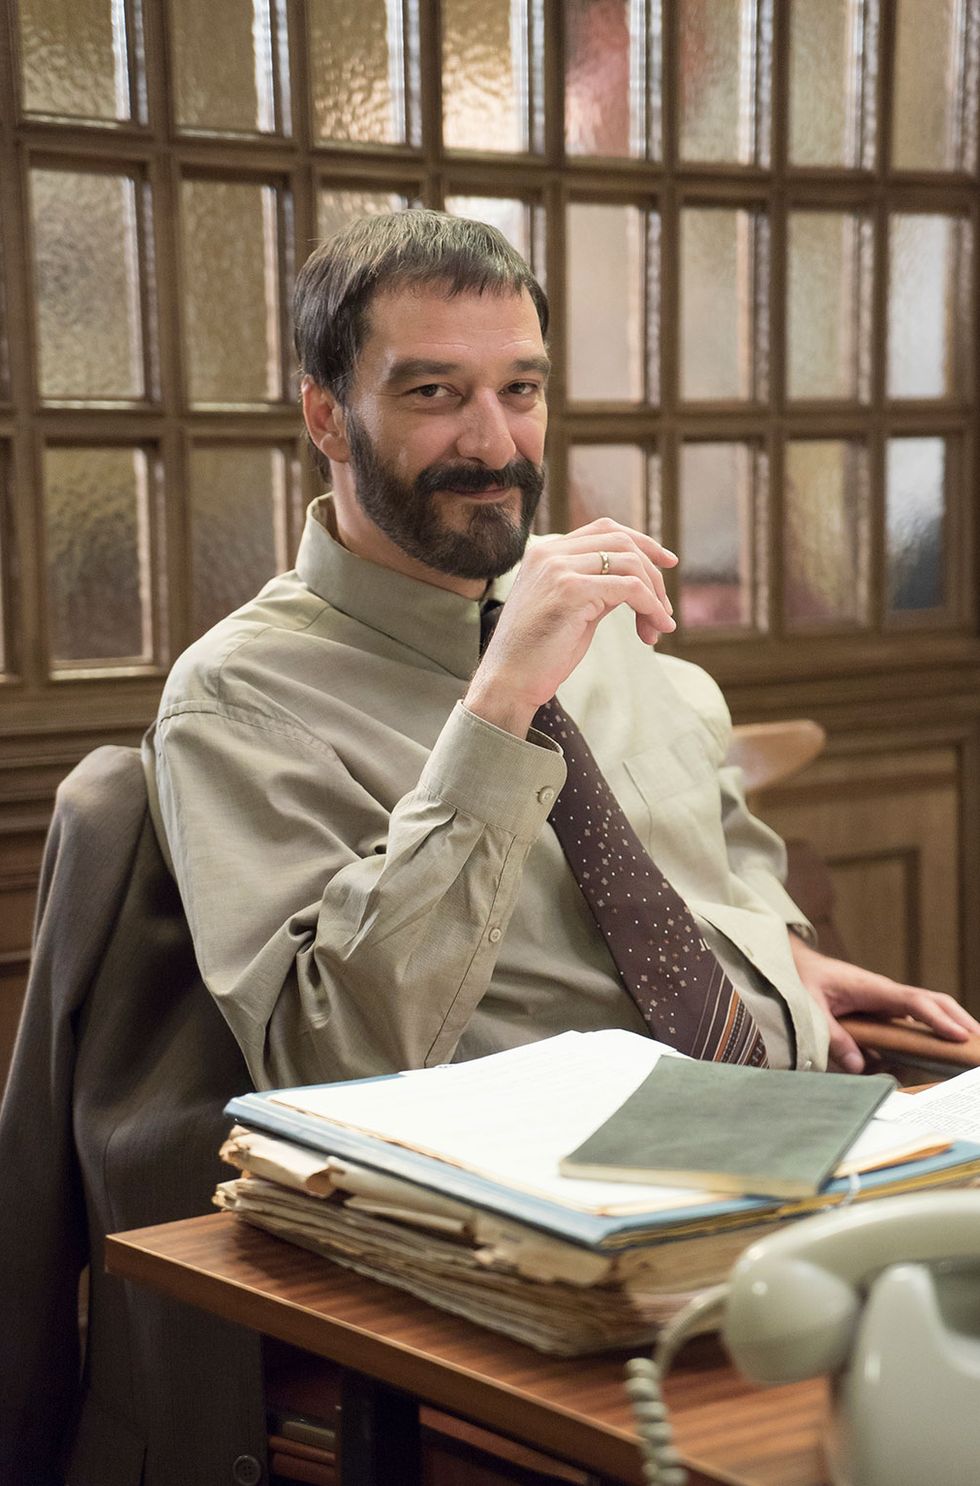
(661, 1461)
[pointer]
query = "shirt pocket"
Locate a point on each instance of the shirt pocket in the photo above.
(672, 769)
(678, 813)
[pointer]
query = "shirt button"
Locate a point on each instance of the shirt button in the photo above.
(807, 1065)
(494, 936)
(246, 1471)
(546, 795)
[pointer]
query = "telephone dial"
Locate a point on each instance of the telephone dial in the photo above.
(886, 1299)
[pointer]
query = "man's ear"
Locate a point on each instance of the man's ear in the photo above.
(325, 421)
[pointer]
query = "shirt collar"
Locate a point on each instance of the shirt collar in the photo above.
(442, 626)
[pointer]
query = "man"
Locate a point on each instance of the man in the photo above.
(355, 802)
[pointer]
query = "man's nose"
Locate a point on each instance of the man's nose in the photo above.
(486, 434)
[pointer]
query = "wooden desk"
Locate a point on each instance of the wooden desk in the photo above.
(730, 1433)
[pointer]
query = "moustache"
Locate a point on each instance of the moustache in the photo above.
(470, 479)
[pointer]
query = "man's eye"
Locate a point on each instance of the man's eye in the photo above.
(430, 390)
(523, 389)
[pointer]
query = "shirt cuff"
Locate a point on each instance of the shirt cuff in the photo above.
(486, 772)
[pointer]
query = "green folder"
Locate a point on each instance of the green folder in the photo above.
(731, 1129)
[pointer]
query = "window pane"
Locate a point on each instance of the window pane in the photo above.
(934, 121)
(607, 480)
(491, 83)
(335, 209)
(724, 290)
(86, 268)
(74, 58)
(829, 305)
(725, 66)
(363, 71)
(722, 525)
(605, 303)
(927, 290)
(231, 295)
(826, 537)
(97, 523)
(238, 94)
(606, 82)
(915, 512)
(238, 527)
(832, 77)
(512, 218)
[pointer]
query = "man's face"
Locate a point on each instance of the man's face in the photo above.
(445, 425)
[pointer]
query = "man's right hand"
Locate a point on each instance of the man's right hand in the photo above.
(548, 623)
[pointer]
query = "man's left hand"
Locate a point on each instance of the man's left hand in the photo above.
(839, 987)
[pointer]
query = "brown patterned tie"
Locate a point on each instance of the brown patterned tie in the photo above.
(680, 987)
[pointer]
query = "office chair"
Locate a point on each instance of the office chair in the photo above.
(112, 1119)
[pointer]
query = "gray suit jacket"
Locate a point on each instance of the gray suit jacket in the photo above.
(112, 1119)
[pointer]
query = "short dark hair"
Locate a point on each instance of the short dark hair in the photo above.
(338, 281)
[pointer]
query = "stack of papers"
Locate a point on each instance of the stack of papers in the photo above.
(445, 1182)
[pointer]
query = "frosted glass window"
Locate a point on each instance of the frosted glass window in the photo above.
(825, 502)
(605, 303)
(239, 533)
(74, 58)
(722, 528)
(927, 305)
(87, 289)
(828, 320)
(492, 91)
(915, 521)
(364, 71)
(934, 119)
(725, 80)
(237, 95)
(724, 294)
(97, 549)
(336, 209)
(231, 292)
(515, 219)
(833, 67)
(612, 91)
(607, 480)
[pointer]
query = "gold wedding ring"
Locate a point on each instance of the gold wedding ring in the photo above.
(604, 558)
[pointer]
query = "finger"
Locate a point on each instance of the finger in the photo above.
(844, 1051)
(615, 589)
(945, 1017)
(603, 567)
(863, 990)
(624, 563)
(613, 536)
(959, 1013)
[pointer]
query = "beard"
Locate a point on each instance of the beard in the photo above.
(408, 513)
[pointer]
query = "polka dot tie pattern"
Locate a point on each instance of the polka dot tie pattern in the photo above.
(681, 989)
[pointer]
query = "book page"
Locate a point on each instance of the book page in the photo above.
(512, 1116)
(952, 1108)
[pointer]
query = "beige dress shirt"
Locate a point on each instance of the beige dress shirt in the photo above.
(367, 868)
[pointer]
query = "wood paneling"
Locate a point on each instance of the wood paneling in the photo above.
(888, 825)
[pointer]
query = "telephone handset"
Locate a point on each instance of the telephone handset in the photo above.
(795, 1298)
(884, 1297)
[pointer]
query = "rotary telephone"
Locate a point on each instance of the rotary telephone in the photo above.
(884, 1297)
